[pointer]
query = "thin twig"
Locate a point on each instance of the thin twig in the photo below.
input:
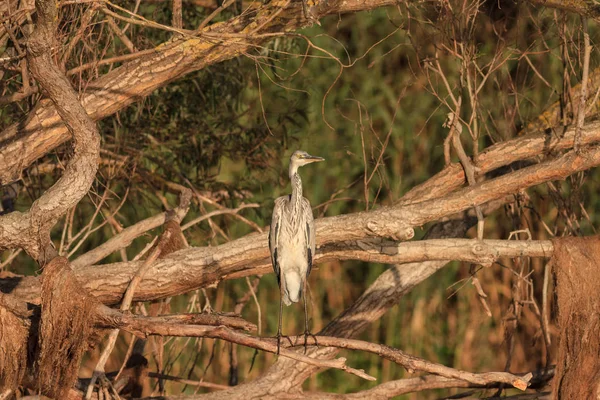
(115, 28)
(587, 49)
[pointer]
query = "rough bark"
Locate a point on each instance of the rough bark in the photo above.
(499, 155)
(62, 340)
(576, 265)
(14, 330)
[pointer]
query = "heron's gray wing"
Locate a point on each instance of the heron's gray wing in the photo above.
(310, 233)
(274, 234)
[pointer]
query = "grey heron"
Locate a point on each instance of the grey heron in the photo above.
(292, 241)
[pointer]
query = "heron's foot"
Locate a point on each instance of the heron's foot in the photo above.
(306, 335)
(279, 336)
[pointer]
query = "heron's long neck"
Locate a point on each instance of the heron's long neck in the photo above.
(296, 200)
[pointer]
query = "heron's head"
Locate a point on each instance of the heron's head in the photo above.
(300, 158)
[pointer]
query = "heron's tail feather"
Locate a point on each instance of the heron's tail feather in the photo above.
(293, 287)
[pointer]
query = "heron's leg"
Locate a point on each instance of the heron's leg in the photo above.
(280, 319)
(279, 335)
(306, 330)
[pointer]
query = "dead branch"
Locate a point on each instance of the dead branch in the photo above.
(115, 28)
(125, 304)
(583, 93)
(124, 238)
(166, 243)
(383, 391)
(398, 387)
(483, 252)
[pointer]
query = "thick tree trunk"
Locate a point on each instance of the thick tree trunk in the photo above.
(576, 264)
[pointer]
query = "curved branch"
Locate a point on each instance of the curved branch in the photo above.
(31, 230)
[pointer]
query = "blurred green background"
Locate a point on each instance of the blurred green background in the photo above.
(363, 89)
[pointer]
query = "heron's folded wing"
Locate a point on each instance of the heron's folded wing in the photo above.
(310, 233)
(274, 234)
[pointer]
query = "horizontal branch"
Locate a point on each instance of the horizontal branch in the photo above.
(468, 250)
(199, 267)
(391, 389)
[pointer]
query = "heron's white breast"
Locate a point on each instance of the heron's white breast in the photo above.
(293, 251)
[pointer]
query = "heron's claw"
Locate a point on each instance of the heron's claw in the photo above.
(306, 335)
(279, 336)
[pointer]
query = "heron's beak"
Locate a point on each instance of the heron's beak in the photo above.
(311, 159)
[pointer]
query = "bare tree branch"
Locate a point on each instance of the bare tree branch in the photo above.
(124, 238)
(409, 362)
(468, 250)
(199, 267)
(166, 325)
(498, 155)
